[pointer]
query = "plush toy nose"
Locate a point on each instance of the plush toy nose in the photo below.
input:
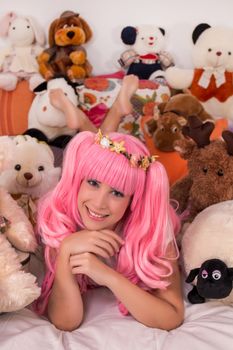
(151, 38)
(70, 34)
(218, 53)
(28, 176)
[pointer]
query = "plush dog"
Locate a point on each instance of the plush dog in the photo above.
(66, 55)
(31, 173)
(17, 288)
(18, 60)
(169, 118)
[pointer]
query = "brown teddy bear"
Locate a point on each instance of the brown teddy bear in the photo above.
(170, 117)
(65, 55)
(210, 168)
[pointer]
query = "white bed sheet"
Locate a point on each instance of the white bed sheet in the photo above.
(207, 326)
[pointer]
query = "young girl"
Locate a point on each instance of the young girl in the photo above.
(76, 118)
(108, 223)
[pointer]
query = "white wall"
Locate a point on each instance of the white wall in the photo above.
(108, 17)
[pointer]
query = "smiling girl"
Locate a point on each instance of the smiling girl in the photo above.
(109, 223)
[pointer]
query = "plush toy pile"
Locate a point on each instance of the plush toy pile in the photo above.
(170, 117)
(66, 56)
(211, 79)
(146, 57)
(18, 60)
(17, 288)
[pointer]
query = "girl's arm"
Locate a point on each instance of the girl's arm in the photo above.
(159, 309)
(65, 306)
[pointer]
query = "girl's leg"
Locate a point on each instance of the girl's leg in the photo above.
(122, 105)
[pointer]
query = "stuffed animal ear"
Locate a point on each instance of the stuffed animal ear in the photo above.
(199, 30)
(43, 86)
(192, 274)
(6, 151)
(162, 30)
(51, 32)
(151, 126)
(181, 120)
(128, 35)
(38, 31)
(161, 107)
(86, 28)
(5, 23)
(184, 147)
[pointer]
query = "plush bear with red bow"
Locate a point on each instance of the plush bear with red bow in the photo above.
(146, 57)
(211, 79)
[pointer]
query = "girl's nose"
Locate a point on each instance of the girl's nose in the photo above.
(101, 201)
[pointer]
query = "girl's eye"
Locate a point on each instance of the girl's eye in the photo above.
(117, 193)
(93, 183)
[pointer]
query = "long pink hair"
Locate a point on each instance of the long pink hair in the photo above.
(149, 223)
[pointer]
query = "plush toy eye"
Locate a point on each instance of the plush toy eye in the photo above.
(209, 50)
(220, 172)
(204, 274)
(28, 27)
(41, 168)
(216, 274)
(65, 93)
(174, 129)
(17, 167)
(229, 53)
(205, 169)
(13, 28)
(142, 38)
(162, 128)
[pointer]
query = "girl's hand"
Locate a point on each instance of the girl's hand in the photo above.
(104, 243)
(88, 264)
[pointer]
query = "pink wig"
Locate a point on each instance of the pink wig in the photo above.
(148, 227)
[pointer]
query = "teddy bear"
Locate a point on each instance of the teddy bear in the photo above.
(210, 169)
(146, 57)
(47, 123)
(169, 118)
(206, 251)
(211, 78)
(30, 174)
(66, 55)
(18, 60)
(17, 287)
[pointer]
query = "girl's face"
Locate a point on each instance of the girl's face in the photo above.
(100, 206)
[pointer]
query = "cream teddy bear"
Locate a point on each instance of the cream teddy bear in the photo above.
(17, 288)
(18, 60)
(211, 79)
(31, 173)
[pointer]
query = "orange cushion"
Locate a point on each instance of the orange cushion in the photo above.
(175, 166)
(14, 107)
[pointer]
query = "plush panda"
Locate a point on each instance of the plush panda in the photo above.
(145, 58)
(211, 80)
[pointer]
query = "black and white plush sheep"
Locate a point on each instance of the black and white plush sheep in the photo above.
(207, 253)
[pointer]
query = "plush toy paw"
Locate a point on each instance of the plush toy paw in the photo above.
(21, 236)
(194, 297)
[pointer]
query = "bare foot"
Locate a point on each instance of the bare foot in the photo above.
(128, 88)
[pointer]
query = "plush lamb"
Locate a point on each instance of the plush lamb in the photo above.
(211, 80)
(31, 173)
(17, 288)
(46, 122)
(207, 247)
(18, 60)
(146, 57)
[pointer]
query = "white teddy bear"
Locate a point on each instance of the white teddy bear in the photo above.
(211, 80)
(17, 288)
(146, 57)
(207, 252)
(31, 173)
(18, 60)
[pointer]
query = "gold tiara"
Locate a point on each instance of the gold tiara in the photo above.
(142, 162)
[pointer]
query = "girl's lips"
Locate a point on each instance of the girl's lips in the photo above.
(95, 216)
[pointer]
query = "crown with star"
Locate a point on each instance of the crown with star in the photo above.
(142, 162)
